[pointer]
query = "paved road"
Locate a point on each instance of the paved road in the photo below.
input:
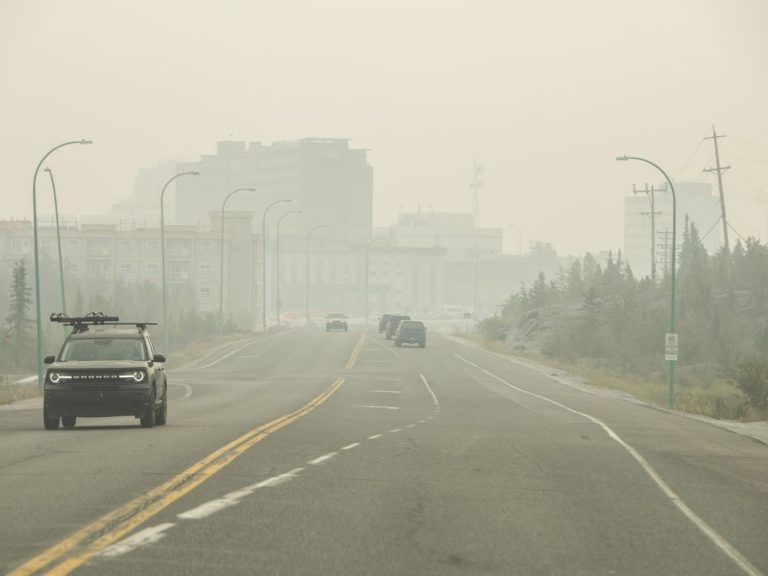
(316, 453)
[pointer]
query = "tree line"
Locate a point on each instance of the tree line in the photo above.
(602, 313)
(139, 301)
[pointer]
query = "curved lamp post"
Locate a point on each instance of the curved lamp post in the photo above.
(671, 390)
(367, 267)
(38, 313)
(162, 255)
(58, 243)
(264, 262)
(277, 262)
(306, 275)
(221, 273)
(477, 266)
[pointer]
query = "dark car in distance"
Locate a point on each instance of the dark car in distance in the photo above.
(411, 332)
(383, 322)
(336, 321)
(105, 368)
(392, 324)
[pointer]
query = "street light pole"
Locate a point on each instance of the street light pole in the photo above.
(367, 265)
(477, 266)
(671, 390)
(58, 243)
(264, 262)
(221, 260)
(162, 255)
(277, 262)
(38, 313)
(306, 274)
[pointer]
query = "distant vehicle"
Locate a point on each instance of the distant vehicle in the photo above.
(105, 368)
(394, 320)
(336, 321)
(383, 322)
(411, 332)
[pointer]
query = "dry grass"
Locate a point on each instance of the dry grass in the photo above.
(716, 399)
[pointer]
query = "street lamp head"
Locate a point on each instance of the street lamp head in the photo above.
(624, 158)
(46, 169)
(86, 141)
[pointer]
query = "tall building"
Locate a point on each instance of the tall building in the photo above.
(456, 232)
(331, 183)
(695, 201)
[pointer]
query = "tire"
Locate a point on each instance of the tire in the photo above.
(161, 415)
(50, 423)
(148, 420)
(68, 421)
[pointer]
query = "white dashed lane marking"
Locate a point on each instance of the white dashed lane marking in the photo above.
(323, 458)
(350, 446)
(375, 436)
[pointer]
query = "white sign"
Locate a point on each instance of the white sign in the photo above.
(671, 344)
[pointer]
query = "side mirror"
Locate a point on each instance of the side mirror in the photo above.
(49, 359)
(158, 358)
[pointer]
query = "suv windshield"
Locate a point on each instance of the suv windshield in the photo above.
(411, 325)
(86, 349)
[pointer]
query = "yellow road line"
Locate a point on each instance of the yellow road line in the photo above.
(118, 523)
(356, 351)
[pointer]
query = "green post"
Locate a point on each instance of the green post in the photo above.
(671, 390)
(58, 244)
(38, 312)
(162, 256)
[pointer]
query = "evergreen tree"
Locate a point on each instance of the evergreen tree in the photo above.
(19, 323)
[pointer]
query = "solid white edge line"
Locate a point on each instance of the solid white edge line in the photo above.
(323, 458)
(350, 446)
(725, 546)
(150, 535)
(187, 394)
(434, 398)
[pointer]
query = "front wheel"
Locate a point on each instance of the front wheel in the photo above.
(48, 422)
(161, 417)
(68, 421)
(148, 420)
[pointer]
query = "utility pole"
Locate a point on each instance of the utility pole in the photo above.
(477, 171)
(665, 251)
(720, 169)
(650, 192)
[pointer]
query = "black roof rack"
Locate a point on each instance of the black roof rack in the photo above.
(81, 323)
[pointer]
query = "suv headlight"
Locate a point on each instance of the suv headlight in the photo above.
(137, 376)
(55, 377)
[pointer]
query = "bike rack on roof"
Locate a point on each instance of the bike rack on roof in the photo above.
(81, 323)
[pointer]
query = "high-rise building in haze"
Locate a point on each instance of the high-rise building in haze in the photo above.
(331, 183)
(695, 201)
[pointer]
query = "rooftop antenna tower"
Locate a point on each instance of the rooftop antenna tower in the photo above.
(477, 183)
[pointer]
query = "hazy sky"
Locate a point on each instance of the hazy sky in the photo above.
(544, 93)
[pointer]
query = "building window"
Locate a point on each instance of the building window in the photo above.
(98, 246)
(126, 268)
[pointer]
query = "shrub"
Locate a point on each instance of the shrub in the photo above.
(752, 380)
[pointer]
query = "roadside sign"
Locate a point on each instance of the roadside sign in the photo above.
(671, 342)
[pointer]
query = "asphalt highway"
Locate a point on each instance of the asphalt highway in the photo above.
(337, 453)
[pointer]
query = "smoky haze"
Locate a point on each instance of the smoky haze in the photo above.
(544, 94)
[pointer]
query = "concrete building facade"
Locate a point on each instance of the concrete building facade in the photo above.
(695, 201)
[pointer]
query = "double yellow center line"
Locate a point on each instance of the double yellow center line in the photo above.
(91, 540)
